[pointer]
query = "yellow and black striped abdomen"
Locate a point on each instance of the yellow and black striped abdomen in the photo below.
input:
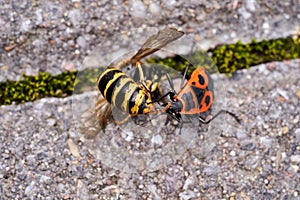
(121, 91)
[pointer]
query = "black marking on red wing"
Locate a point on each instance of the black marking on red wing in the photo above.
(207, 100)
(199, 94)
(188, 101)
(201, 79)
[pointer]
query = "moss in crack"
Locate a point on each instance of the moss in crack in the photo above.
(231, 57)
(31, 88)
(227, 58)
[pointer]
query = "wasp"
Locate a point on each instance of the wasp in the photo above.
(195, 97)
(122, 92)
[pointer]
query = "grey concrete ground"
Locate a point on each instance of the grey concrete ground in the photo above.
(44, 157)
(55, 36)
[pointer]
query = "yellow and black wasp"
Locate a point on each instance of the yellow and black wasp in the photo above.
(122, 92)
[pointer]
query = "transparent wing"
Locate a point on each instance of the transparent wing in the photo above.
(153, 143)
(156, 42)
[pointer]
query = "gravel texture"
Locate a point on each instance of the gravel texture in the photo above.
(55, 36)
(42, 156)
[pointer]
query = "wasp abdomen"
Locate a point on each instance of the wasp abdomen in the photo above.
(122, 92)
(138, 102)
(108, 80)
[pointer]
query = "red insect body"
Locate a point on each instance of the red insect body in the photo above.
(196, 96)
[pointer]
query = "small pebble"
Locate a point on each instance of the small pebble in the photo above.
(295, 168)
(157, 139)
(284, 130)
(298, 94)
(73, 148)
(232, 153)
(138, 9)
(141, 186)
(154, 8)
(295, 158)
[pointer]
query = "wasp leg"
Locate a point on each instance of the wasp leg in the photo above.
(166, 107)
(203, 121)
(152, 88)
(141, 73)
(171, 93)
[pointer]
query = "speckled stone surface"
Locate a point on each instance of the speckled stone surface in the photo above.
(44, 157)
(55, 36)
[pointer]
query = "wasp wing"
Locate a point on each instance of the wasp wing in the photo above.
(156, 42)
(103, 111)
(119, 116)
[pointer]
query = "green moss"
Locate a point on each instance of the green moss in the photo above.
(226, 59)
(230, 58)
(31, 88)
